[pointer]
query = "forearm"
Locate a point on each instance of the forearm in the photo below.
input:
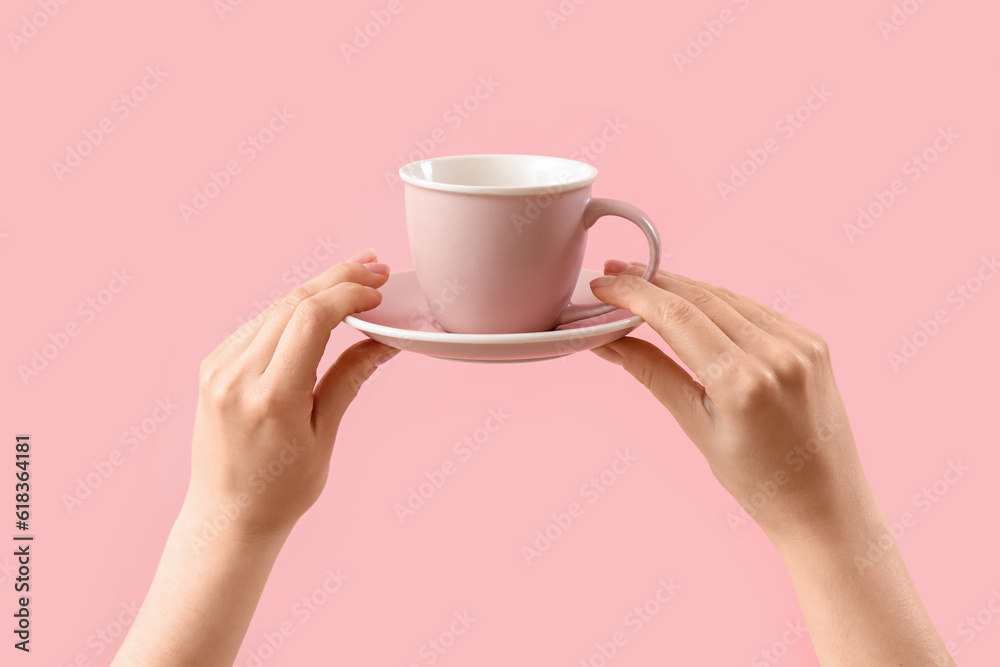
(263, 435)
(859, 602)
(203, 595)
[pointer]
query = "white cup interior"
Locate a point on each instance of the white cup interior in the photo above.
(499, 174)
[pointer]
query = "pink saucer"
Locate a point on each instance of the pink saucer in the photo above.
(403, 321)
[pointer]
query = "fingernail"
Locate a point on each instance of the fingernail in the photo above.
(386, 356)
(363, 256)
(606, 353)
(615, 266)
(603, 281)
(376, 267)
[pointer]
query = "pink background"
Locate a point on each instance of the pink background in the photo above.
(323, 177)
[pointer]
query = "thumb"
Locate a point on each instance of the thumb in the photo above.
(681, 394)
(341, 383)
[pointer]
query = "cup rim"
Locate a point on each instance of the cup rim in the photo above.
(412, 175)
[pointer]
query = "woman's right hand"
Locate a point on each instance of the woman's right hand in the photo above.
(764, 409)
(763, 406)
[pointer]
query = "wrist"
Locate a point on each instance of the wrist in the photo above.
(844, 516)
(207, 521)
(842, 533)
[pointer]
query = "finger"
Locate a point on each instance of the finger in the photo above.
(739, 329)
(756, 311)
(779, 326)
(749, 308)
(681, 394)
(796, 338)
(303, 342)
(264, 343)
(239, 340)
(341, 383)
(698, 341)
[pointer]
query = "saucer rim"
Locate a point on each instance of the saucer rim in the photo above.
(491, 339)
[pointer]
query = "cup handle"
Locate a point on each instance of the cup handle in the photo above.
(596, 209)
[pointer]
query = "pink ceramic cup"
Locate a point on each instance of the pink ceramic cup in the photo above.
(498, 240)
